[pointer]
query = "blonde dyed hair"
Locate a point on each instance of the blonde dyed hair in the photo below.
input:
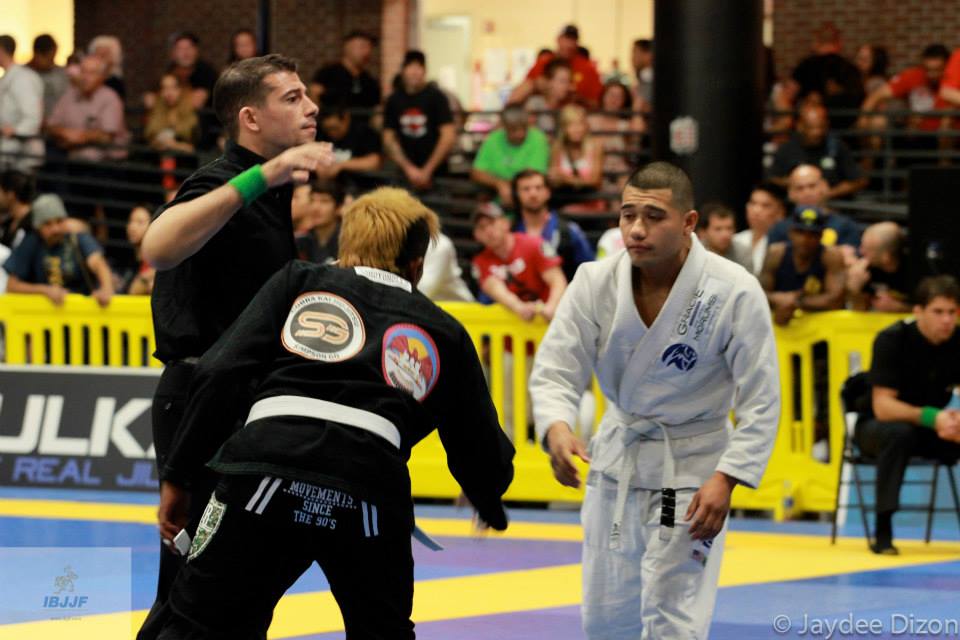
(375, 229)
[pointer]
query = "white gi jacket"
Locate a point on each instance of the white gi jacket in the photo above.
(710, 349)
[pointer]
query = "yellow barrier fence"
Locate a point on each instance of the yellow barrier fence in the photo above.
(81, 333)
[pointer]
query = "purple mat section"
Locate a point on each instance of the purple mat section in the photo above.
(556, 624)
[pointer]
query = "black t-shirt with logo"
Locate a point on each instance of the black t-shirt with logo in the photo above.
(417, 119)
(342, 88)
(898, 283)
(360, 338)
(195, 302)
(921, 372)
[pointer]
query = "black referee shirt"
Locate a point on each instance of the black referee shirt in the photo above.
(195, 302)
(921, 372)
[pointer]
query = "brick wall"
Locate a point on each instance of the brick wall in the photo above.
(309, 30)
(904, 27)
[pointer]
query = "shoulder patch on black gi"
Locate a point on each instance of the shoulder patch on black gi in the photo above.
(411, 361)
(323, 326)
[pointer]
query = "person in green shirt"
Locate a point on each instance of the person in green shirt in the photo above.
(507, 151)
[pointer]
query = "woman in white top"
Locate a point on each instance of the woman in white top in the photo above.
(765, 208)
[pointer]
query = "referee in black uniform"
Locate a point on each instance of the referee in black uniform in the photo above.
(223, 236)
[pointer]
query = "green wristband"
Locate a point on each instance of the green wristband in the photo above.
(251, 184)
(928, 416)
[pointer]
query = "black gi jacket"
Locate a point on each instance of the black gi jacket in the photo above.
(358, 337)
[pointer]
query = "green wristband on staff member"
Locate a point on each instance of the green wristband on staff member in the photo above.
(928, 416)
(251, 184)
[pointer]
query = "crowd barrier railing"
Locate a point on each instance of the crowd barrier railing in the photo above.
(81, 333)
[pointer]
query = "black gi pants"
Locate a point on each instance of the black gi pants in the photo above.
(892, 444)
(258, 536)
(169, 404)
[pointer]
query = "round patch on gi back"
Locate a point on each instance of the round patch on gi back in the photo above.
(682, 356)
(411, 361)
(323, 326)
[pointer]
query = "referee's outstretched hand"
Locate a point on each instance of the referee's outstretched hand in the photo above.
(295, 164)
(563, 445)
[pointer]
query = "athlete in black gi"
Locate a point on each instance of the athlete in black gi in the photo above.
(339, 370)
(226, 232)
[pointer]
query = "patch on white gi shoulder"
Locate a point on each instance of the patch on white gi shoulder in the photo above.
(209, 523)
(323, 326)
(411, 361)
(679, 355)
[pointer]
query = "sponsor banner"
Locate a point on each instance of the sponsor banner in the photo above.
(77, 427)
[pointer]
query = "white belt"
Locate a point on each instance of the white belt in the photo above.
(342, 414)
(323, 410)
(634, 434)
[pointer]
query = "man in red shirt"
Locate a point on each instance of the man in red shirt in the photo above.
(919, 86)
(519, 271)
(586, 80)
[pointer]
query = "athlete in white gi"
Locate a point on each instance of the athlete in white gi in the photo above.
(677, 336)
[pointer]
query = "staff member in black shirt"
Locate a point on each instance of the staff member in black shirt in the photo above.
(227, 231)
(915, 365)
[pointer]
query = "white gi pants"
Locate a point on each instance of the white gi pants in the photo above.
(648, 588)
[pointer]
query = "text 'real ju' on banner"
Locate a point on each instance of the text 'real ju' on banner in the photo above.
(77, 427)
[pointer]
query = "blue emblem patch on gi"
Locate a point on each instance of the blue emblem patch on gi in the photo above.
(680, 355)
(410, 360)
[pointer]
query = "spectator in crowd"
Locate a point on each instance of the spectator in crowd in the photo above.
(950, 84)
(879, 281)
(814, 144)
(517, 270)
(17, 191)
(442, 278)
(243, 45)
(576, 159)
(610, 243)
(716, 227)
(642, 58)
(109, 49)
(54, 78)
(564, 237)
(915, 364)
(802, 273)
(418, 130)
(828, 79)
(807, 187)
(508, 150)
(557, 92)
(348, 82)
(190, 69)
(765, 208)
(919, 88)
(618, 125)
(89, 117)
(21, 111)
(316, 207)
(872, 62)
(172, 124)
(356, 148)
(54, 262)
(137, 278)
(587, 85)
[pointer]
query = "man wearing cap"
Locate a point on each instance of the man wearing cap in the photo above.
(347, 83)
(802, 273)
(418, 129)
(586, 80)
(508, 150)
(54, 262)
(519, 271)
